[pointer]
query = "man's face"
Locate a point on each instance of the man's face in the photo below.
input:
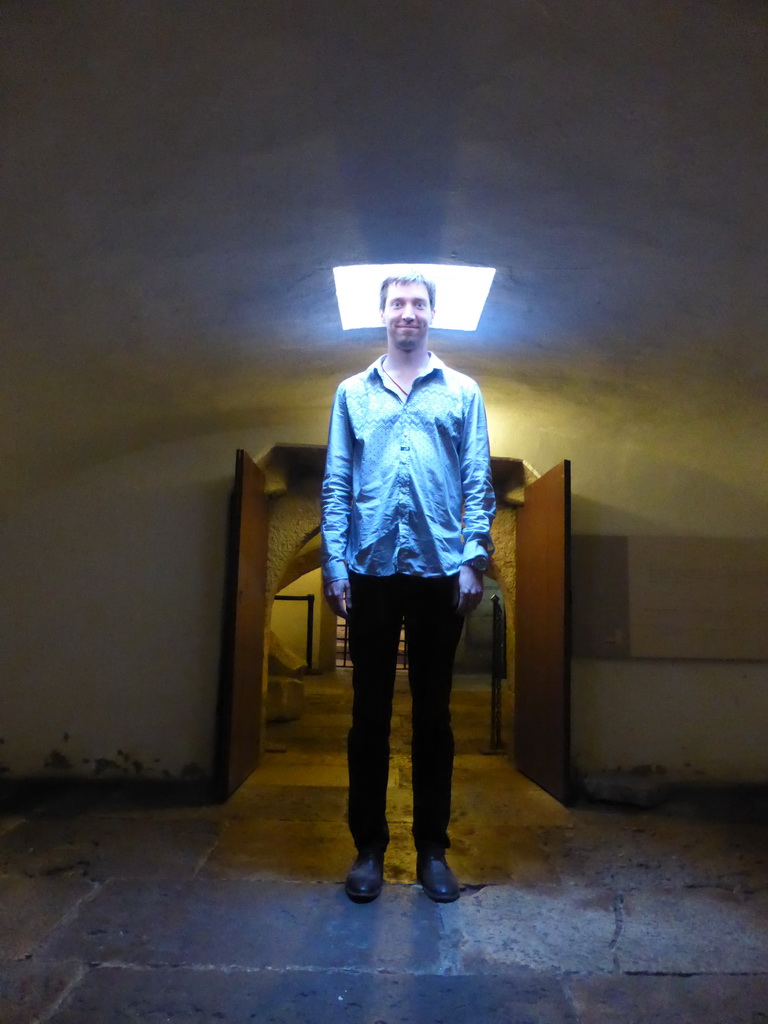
(407, 316)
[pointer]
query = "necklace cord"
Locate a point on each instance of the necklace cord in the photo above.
(394, 381)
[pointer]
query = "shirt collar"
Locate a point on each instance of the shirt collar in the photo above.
(434, 363)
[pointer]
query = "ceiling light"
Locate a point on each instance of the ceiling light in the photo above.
(460, 293)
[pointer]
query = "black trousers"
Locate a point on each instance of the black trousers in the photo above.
(380, 605)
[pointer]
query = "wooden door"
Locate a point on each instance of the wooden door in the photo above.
(239, 716)
(543, 633)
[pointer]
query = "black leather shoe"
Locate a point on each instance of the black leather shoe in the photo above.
(437, 879)
(366, 877)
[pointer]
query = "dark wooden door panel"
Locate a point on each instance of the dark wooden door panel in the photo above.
(542, 633)
(239, 741)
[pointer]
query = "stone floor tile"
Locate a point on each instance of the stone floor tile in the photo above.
(117, 996)
(323, 718)
(650, 852)
(31, 907)
(718, 803)
(490, 855)
(400, 805)
(300, 851)
(400, 858)
(693, 931)
(471, 727)
(400, 774)
(305, 851)
(52, 796)
(29, 989)
(103, 847)
(318, 697)
(315, 727)
(277, 771)
(162, 800)
(640, 999)
(488, 859)
(295, 755)
(486, 790)
(549, 928)
(70, 798)
(223, 924)
(467, 766)
(289, 803)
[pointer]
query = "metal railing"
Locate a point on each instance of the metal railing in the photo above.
(498, 673)
(342, 646)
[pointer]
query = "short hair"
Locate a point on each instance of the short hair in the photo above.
(410, 277)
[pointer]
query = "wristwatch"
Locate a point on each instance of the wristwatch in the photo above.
(479, 562)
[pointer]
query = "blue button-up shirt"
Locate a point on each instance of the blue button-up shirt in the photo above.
(407, 485)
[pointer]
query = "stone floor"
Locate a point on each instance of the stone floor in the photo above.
(127, 905)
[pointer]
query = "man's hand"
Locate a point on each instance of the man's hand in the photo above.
(339, 597)
(470, 589)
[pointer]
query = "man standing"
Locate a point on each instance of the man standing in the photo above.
(407, 512)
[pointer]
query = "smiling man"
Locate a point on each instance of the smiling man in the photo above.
(407, 512)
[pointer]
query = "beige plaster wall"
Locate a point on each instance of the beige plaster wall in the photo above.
(110, 611)
(696, 719)
(699, 721)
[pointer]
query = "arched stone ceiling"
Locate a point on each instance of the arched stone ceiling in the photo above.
(178, 179)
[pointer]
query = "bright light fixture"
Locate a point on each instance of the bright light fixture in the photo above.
(460, 293)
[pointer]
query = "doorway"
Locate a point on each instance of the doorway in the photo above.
(533, 518)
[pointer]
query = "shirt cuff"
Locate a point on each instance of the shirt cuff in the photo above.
(335, 569)
(475, 555)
